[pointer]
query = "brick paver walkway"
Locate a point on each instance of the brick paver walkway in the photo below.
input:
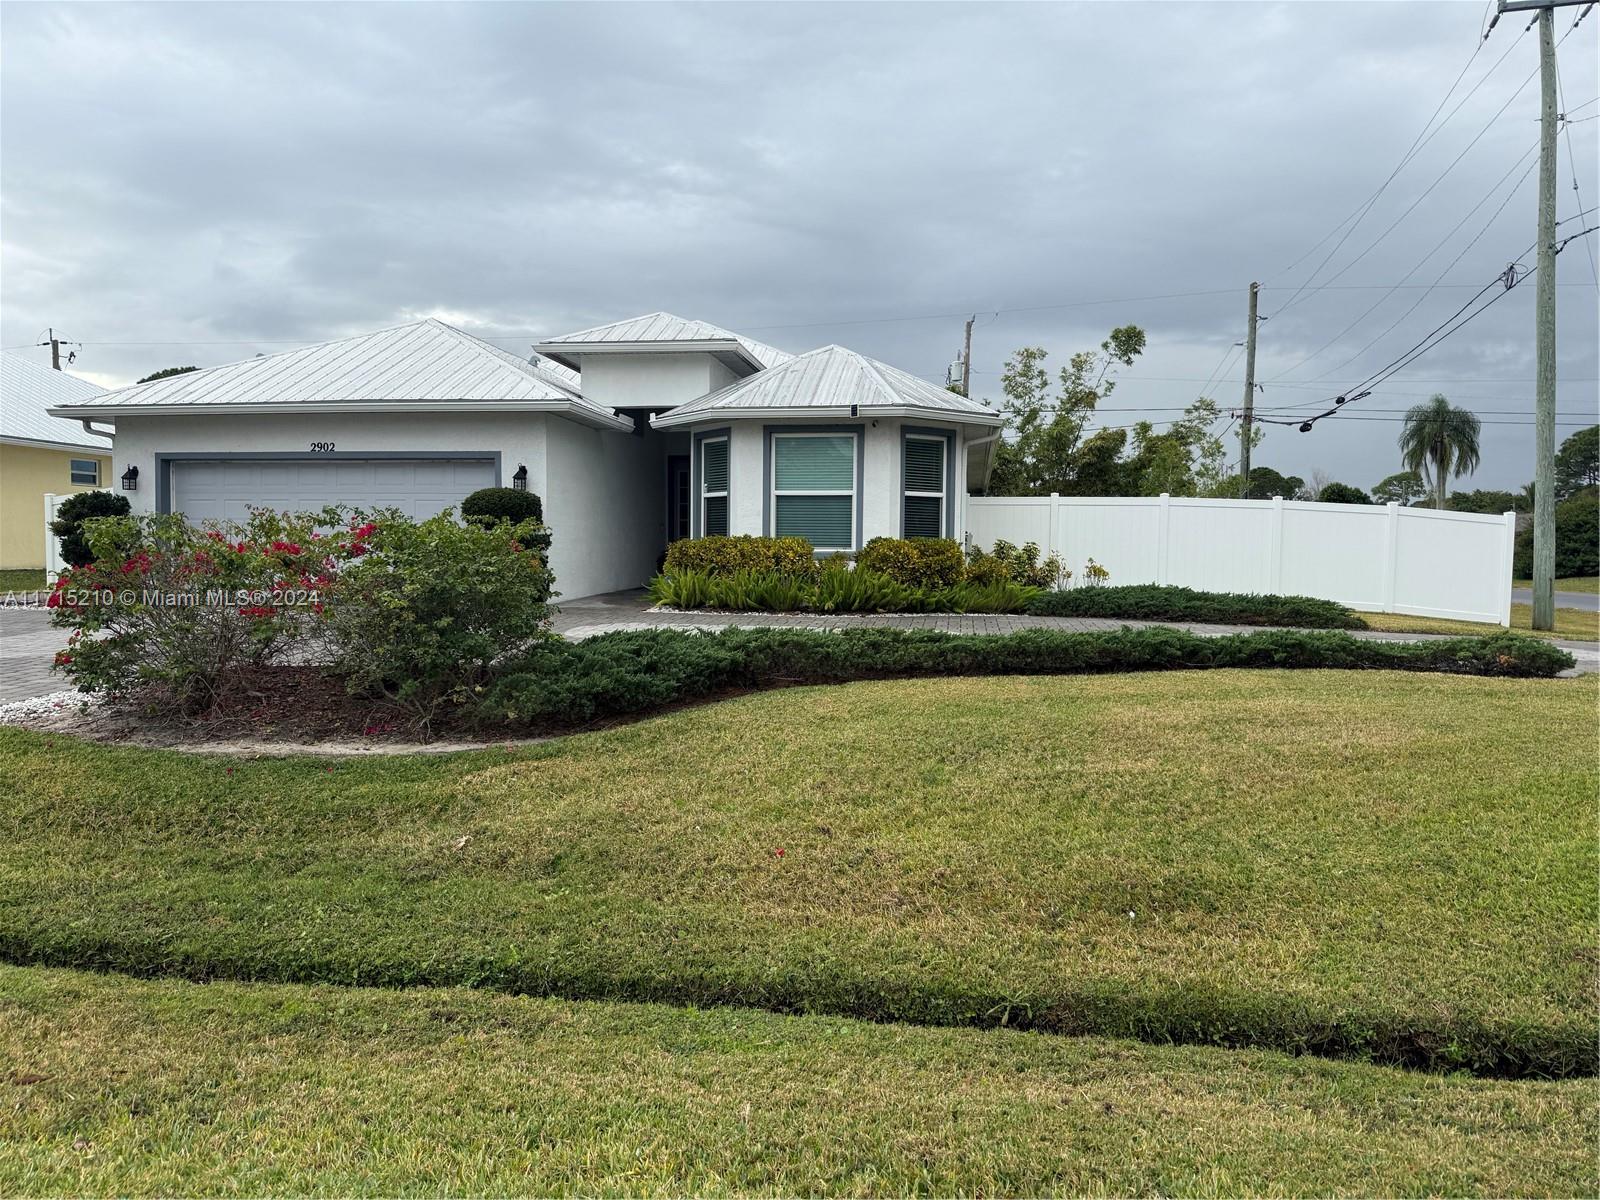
(28, 643)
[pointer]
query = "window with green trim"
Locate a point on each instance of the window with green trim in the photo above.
(814, 488)
(923, 482)
(714, 487)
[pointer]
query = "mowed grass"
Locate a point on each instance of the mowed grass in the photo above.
(1576, 583)
(1572, 624)
(123, 1087)
(1360, 864)
(21, 580)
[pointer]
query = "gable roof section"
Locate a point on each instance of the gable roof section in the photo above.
(28, 390)
(424, 365)
(661, 332)
(827, 382)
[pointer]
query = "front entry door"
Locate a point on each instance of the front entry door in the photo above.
(677, 497)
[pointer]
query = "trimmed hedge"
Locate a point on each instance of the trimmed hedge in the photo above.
(562, 684)
(495, 504)
(914, 562)
(835, 588)
(1151, 602)
(728, 555)
(74, 511)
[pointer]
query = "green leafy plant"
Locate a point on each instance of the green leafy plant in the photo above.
(725, 555)
(914, 562)
(426, 609)
(496, 504)
(74, 511)
(1017, 564)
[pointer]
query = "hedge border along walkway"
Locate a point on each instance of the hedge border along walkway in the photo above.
(1155, 602)
(564, 685)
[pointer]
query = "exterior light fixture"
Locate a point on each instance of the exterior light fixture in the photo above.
(519, 481)
(130, 479)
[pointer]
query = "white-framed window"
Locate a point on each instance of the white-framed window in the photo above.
(714, 487)
(923, 484)
(814, 488)
(85, 472)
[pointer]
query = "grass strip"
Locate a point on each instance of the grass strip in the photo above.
(1366, 865)
(1572, 624)
(124, 1087)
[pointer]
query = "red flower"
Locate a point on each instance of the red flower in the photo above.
(362, 532)
(62, 658)
(257, 610)
(778, 853)
(357, 550)
(286, 547)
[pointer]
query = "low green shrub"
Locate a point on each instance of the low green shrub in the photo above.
(426, 609)
(1153, 602)
(564, 684)
(726, 555)
(1016, 564)
(1577, 538)
(74, 511)
(835, 589)
(914, 562)
(496, 504)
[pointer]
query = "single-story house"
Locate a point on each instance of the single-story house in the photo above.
(634, 434)
(41, 455)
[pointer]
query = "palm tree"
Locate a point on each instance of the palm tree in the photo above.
(1441, 441)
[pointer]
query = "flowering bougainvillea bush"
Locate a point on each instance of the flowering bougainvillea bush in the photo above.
(416, 613)
(176, 611)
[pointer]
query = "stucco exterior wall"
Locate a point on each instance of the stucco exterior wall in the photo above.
(27, 474)
(651, 380)
(606, 505)
(880, 473)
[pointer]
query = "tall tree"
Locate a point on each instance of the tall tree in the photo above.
(1403, 487)
(1048, 429)
(168, 373)
(1441, 441)
(1578, 462)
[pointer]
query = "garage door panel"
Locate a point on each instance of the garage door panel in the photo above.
(420, 488)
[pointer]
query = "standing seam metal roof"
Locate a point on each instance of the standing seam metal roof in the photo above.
(28, 389)
(422, 361)
(831, 377)
(660, 328)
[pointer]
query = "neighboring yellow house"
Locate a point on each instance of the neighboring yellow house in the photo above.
(41, 454)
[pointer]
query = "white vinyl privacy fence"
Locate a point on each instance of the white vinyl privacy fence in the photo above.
(1380, 558)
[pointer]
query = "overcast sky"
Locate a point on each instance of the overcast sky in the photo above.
(199, 183)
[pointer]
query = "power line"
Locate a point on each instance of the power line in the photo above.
(1361, 210)
(1572, 155)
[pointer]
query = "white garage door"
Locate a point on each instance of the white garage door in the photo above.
(229, 488)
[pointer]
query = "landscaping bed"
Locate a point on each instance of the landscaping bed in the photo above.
(1333, 863)
(124, 1087)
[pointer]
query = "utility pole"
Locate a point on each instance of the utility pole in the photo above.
(966, 359)
(1249, 395)
(55, 344)
(1544, 321)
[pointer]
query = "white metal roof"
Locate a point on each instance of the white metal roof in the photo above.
(28, 390)
(827, 382)
(425, 362)
(661, 331)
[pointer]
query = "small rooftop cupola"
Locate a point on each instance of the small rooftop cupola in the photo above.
(658, 361)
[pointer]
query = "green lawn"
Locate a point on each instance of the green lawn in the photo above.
(115, 1087)
(21, 581)
(1349, 863)
(1576, 583)
(1572, 624)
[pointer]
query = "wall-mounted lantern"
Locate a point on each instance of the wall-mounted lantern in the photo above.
(520, 480)
(130, 479)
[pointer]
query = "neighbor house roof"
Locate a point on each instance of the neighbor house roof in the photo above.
(28, 390)
(828, 382)
(661, 332)
(426, 365)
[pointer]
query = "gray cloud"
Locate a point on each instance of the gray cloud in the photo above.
(197, 174)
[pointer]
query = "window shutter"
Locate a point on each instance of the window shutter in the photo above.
(714, 466)
(814, 464)
(824, 521)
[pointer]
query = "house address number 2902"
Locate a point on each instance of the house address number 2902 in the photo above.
(322, 447)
